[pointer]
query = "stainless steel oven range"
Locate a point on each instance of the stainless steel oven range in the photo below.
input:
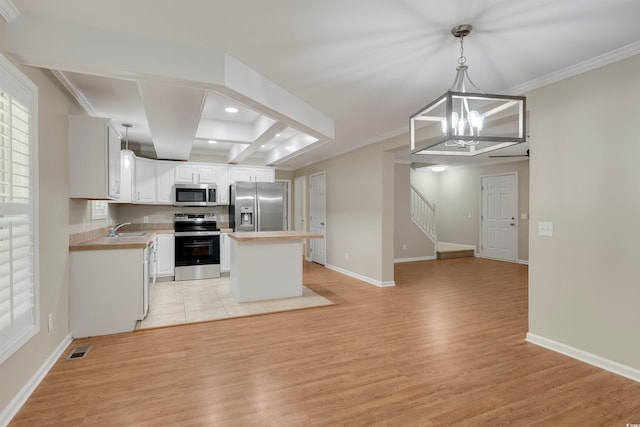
(197, 250)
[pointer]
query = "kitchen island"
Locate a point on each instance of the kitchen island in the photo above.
(267, 264)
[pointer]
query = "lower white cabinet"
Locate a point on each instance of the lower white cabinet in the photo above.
(107, 290)
(225, 253)
(166, 255)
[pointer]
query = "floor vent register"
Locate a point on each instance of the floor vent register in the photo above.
(79, 353)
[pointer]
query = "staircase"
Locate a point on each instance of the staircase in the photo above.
(423, 214)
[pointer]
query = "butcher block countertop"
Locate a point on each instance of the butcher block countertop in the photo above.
(274, 235)
(106, 242)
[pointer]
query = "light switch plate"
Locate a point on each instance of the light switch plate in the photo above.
(545, 228)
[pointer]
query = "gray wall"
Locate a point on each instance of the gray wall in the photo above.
(359, 187)
(456, 193)
(409, 240)
(54, 211)
(584, 287)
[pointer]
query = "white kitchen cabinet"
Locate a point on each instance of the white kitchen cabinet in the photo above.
(225, 253)
(145, 185)
(252, 174)
(94, 158)
(222, 179)
(107, 291)
(195, 173)
(186, 173)
(165, 178)
(127, 179)
(166, 255)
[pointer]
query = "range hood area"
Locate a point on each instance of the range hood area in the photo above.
(180, 100)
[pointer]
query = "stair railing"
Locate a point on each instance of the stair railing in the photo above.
(423, 214)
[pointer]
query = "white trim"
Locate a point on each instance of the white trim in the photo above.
(523, 261)
(579, 68)
(76, 92)
(583, 356)
(23, 395)
(419, 258)
(361, 277)
(8, 10)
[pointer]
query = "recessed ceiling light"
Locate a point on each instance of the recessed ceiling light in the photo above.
(438, 168)
(277, 135)
(231, 110)
(212, 141)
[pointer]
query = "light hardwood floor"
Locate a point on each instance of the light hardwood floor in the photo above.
(444, 347)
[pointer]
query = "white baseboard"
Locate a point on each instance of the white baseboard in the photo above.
(23, 395)
(583, 356)
(420, 258)
(523, 261)
(361, 277)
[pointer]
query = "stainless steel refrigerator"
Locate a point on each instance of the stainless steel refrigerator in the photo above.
(258, 206)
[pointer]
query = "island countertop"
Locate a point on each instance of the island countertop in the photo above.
(274, 235)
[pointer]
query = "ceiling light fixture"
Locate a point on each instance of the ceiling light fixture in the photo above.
(126, 154)
(231, 110)
(467, 121)
(212, 141)
(438, 168)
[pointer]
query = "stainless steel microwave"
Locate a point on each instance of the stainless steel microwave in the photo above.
(194, 195)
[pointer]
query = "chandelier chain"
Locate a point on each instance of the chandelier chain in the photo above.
(463, 59)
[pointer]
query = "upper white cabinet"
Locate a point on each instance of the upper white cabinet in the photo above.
(145, 180)
(194, 173)
(127, 178)
(94, 158)
(252, 174)
(222, 180)
(165, 178)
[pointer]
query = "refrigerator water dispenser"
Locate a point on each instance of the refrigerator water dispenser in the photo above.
(246, 216)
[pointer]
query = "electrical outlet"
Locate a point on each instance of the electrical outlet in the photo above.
(145, 219)
(346, 256)
(404, 246)
(50, 322)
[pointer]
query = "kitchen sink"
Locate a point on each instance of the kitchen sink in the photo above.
(132, 234)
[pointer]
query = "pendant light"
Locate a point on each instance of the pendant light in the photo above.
(126, 154)
(466, 121)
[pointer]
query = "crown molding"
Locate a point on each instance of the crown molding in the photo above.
(8, 10)
(76, 92)
(579, 68)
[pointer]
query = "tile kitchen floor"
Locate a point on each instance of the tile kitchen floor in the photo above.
(174, 303)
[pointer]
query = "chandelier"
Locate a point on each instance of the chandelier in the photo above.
(465, 121)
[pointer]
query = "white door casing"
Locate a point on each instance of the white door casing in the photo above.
(287, 203)
(317, 219)
(299, 186)
(499, 210)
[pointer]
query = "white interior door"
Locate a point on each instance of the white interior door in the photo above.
(317, 219)
(499, 230)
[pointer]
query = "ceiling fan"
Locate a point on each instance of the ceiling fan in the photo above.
(513, 155)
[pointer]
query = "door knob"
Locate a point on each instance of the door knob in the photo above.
(322, 223)
(512, 224)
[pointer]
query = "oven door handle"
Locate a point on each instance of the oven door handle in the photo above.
(196, 233)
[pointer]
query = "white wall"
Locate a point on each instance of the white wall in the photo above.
(584, 282)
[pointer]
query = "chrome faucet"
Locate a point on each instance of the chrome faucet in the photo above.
(114, 228)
